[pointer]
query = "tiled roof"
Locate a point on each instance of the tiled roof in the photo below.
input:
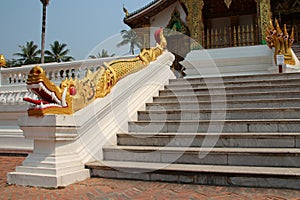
(142, 15)
(143, 8)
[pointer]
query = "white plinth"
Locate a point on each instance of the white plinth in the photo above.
(56, 159)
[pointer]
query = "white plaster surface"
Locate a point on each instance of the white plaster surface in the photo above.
(228, 61)
(64, 143)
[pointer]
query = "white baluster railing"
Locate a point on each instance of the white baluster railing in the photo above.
(13, 90)
(56, 72)
(13, 80)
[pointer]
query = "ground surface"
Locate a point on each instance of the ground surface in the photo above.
(98, 188)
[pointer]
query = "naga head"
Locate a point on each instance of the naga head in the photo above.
(281, 41)
(278, 30)
(69, 97)
(51, 99)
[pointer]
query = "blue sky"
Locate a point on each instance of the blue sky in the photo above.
(82, 25)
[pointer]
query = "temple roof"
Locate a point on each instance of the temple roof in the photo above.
(141, 16)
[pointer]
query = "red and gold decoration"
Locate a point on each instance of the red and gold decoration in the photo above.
(281, 41)
(73, 95)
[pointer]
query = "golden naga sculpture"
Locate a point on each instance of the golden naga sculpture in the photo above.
(281, 41)
(73, 95)
(2, 61)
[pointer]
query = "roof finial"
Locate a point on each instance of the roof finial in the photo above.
(125, 11)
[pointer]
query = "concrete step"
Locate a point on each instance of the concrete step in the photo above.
(186, 84)
(257, 77)
(207, 114)
(228, 96)
(229, 104)
(244, 140)
(243, 176)
(263, 157)
(204, 126)
(231, 90)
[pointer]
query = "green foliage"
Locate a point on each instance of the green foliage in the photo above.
(13, 63)
(29, 53)
(130, 37)
(104, 53)
(58, 53)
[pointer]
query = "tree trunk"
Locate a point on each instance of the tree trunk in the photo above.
(132, 48)
(43, 33)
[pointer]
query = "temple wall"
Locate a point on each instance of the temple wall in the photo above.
(221, 22)
(162, 19)
(217, 23)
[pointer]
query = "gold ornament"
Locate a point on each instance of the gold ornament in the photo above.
(73, 95)
(281, 41)
(228, 3)
(2, 60)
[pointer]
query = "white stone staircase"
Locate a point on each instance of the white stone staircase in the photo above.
(234, 131)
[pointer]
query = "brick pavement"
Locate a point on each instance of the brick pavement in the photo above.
(98, 188)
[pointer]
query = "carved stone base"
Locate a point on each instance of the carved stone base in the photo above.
(57, 157)
(47, 181)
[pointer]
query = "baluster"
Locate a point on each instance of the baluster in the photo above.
(19, 77)
(61, 74)
(234, 37)
(78, 73)
(220, 38)
(9, 79)
(56, 76)
(212, 36)
(24, 77)
(248, 35)
(50, 75)
(252, 37)
(72, 73)
(15, 78)
(225, 37)
(216, 38)
(239, 36)
(230, 36)
(208, 39)
(68, 73)
(244, 35)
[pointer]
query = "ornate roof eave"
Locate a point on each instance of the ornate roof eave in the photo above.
(142, 16)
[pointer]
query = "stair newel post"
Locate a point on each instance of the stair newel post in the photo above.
(57, 159)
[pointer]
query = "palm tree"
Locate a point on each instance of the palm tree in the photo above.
(45, 4)
(29, 53)
(103, 54)
(130, 37)
(58, 52)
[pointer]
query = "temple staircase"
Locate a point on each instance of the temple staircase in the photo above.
(233, 131)
(296, 49)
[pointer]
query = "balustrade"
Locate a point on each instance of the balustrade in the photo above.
(244, 35)
(56, 72)
(13, 80)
